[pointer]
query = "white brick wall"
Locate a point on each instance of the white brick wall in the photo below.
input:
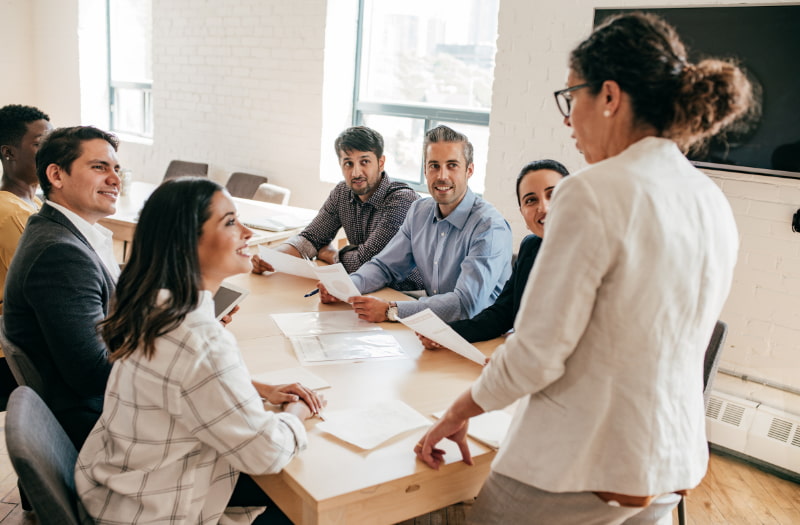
(238, 85)
(762, 312)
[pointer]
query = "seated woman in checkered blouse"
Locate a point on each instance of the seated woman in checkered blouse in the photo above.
(181, 418)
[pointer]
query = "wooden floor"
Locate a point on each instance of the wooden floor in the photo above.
(732, 493)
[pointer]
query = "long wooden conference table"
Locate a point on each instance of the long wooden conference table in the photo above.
(332, 481)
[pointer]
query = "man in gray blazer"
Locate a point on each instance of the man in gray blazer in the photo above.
(62, 276)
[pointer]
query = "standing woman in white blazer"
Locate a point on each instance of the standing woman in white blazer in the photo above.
(607, 359)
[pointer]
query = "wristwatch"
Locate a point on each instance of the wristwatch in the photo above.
(391, 312)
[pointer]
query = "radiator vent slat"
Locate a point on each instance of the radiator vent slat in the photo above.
(780, 429)
(714, 407)
(796, 439)
(733, 414)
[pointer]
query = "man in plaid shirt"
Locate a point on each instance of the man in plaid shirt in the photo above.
(367, 204)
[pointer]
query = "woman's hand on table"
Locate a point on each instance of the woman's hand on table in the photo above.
(453, 426)
(291, 393)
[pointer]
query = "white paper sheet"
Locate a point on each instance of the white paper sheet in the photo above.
(296, 374)
(337, 281)
(286, 263)
(368, 427)
(348, 346)
(315, 323)
(490, 428)
(428, 324)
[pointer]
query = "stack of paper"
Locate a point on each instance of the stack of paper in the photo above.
(325, 337)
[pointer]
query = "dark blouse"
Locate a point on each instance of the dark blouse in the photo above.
(498, 318)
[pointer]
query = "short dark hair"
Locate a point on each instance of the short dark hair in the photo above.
(445, 134)
(136, 318)
(687, 103)
(359, 138)
(63, 146)
(14, 120)
(536, 165)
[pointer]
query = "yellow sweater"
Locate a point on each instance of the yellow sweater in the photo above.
(14, 213)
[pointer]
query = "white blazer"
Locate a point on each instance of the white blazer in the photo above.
(607, 353)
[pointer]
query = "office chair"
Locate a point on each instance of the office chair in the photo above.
(244, 185)
(21, 365)
(710, 366)
(272, 193)
(43, 457)
(182, 168)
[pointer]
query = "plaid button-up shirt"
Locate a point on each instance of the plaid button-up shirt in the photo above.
(369, 225)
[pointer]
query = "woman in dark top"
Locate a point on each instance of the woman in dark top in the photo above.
(535, 184)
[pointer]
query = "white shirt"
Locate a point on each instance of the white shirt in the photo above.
(100, 238)
(176, 431)
(607, 353)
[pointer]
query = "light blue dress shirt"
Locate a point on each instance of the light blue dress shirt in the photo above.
(464, 258)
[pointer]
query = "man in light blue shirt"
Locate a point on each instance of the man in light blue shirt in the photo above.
(460, 243)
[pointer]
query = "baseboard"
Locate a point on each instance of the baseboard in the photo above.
(759, 464)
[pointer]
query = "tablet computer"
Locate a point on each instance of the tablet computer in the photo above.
(228, 296)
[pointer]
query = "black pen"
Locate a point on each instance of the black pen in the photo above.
(309, 294)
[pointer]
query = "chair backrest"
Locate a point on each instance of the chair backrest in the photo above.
(182, 168)
(711, 362)
(21, 366)
(244, 185)
(43, 457)
(272, 193)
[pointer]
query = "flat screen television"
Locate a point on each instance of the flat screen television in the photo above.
(766, 41)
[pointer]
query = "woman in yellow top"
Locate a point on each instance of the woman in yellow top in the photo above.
(22, 128)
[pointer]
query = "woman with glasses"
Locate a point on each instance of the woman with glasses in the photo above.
(535, 185)
(181, 418)
(607, 358)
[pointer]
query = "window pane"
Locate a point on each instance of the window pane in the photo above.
(130, 111)
(130, 40)
(432, 53)
(402, 145)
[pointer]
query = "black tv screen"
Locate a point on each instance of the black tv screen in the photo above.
(766, 41)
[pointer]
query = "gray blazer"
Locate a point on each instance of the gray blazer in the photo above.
(57, 291)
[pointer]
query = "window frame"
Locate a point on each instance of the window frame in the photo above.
(431, 115)
(146, 89)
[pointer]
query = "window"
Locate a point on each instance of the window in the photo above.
(420, 64)
(130, 66)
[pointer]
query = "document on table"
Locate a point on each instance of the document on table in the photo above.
(368, 427)
(490, 428)
(296, 374)
(315, 323)
(337, 281)
(347, 346)
(285, 263)
(428, 324)
(334, 277)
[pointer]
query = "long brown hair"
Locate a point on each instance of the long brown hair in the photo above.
(163, 256)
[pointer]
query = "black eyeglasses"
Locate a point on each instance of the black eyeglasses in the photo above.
(564, 101)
